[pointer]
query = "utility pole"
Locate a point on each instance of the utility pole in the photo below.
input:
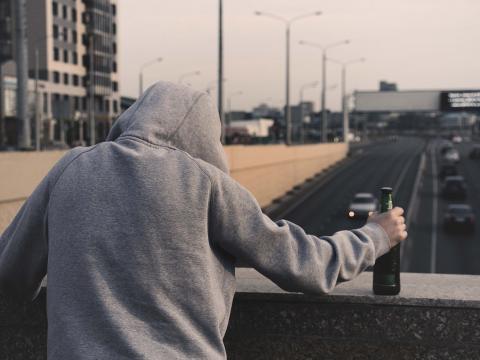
(346, 129)
(221, 110)
(288, 109)
(324, 97)
(38, 124)
(25, 141)
(91, 88)
(2, 111)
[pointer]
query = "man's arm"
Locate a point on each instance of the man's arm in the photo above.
(281, 250)
(24, 244)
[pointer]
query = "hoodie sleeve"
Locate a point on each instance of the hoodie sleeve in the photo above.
(282, 251)
(24, 244)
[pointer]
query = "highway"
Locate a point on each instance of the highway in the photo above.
(398, 164)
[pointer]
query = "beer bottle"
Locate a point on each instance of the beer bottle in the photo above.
(386, 272)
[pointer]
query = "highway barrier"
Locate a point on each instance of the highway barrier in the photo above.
(268, 171)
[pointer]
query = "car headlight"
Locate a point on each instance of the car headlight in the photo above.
(351, 214)
(370, 213)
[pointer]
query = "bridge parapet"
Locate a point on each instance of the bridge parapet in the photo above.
(434, 317)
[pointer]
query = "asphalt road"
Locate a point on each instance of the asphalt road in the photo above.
(396, 164)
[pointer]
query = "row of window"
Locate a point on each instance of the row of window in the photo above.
(102, 6)
(63, 34)
(67, 14)
(80, 103)
(74, 80)
(102, 64)
(67, 56)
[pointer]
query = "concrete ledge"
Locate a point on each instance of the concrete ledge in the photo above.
(435, 317)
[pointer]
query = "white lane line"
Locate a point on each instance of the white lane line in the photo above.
(413, 205)
(433, 248)
(402, 174)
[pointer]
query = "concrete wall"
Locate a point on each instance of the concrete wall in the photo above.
(434, 317)
(270, 171)
(267, 171)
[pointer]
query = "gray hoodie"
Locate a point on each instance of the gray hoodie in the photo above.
(140, 235)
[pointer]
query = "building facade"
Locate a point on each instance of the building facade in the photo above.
(72, 50)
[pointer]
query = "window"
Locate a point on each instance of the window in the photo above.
(65, 56)
(76, 103)
(45, 103)
(114, 28)
(114, 47)
(56, 54)
(74, 15)
(114, 9)
(115, 106)
(114, 66)
(56, 77)
(55, 9)
(76, 81)
(55, 31)
(75, 57)
(65, 34)
(65, 12)
(107, 106)
(66, 79)
(74, 37)
(115, 86)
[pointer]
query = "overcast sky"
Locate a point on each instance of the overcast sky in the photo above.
(419, 44)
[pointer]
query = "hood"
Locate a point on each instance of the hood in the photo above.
(177, 116)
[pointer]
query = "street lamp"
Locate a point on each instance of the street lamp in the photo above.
(187, 75)
(344, 65)
(142, 68)
(288, 23)
(324, 49)
(310, 85)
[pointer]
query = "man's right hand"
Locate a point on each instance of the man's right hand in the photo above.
(393, 223)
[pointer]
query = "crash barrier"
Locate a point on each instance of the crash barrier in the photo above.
(268, 171)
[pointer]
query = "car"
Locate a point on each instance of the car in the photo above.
(362, 206)
(475, 152)
(459, 217)
(447, 169)
(454, 188)
(452, 155)
(457, 139)
(445, 146)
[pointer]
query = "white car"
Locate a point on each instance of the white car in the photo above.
(457, 139)
(362, 206)
(452, 155)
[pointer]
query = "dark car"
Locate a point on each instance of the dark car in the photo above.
(445, 147)
(475, 153)
(454, 188)
(362, 206)
(459, 217)
(447, 169)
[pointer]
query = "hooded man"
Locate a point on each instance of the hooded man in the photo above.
(139, 236)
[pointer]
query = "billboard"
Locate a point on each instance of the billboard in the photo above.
(397, 101)
(460, 100)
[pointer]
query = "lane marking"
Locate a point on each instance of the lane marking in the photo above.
(433, 247)
(413, 205)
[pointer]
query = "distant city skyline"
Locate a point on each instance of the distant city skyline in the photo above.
(428, 44)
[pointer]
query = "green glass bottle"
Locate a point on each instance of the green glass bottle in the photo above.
(386, 272)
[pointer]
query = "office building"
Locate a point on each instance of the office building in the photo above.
(75, 45)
